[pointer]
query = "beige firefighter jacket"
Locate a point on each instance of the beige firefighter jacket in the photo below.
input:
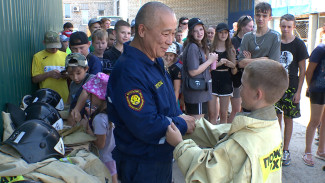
(250, 152)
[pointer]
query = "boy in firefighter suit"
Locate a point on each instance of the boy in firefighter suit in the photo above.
(250, 151)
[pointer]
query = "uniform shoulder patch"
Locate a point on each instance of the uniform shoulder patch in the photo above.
(135, 99)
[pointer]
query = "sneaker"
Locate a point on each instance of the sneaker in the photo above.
(286, 158)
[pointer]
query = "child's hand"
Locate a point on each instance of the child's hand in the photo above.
(75, 114)
(84, 122)
(173, 135)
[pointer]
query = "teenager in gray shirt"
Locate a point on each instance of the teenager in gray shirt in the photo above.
(264, 43)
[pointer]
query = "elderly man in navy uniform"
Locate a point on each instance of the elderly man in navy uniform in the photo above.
(141, 100)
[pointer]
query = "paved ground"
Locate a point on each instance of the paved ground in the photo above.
(297, 172)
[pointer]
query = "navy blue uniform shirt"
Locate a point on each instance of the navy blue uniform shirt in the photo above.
(94, 64)
(141, 103)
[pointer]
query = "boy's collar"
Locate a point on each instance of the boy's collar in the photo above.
(265, 113)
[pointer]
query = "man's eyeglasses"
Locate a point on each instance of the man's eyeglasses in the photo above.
(184, 23)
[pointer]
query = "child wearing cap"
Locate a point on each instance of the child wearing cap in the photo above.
(65, 44)
(100, 39)
(93, 24)
(48, 64)
(248, 150)
(173, 67)
(77, 66)
(98, 124)
(79, 43)
(222, 75)
(122, 31)
(196, 64)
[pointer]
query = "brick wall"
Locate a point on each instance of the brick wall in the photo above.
(211, 12)
(76, 17)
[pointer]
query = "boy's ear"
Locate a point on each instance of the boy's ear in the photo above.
(89, 43)
(86, 68)
(259, 94)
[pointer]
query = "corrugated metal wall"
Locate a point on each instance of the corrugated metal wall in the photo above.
(22, 26)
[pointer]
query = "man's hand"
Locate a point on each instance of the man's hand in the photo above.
(173, 135)
(190, 121)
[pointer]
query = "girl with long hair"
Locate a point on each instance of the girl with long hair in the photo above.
(245, 24)
(221, 76)
(196, 66)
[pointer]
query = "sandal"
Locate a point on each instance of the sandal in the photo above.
(320, 155)
(308, 161)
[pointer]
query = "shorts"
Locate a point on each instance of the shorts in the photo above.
(317, 98)
(221, 83)
(236, 93)
(285, 104)
(196, 109)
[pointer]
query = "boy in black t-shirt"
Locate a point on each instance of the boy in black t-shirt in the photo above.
(122, 31)
(293, 57)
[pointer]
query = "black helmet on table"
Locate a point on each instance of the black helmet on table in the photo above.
(49, 96)
(36, 141)
(46, 113)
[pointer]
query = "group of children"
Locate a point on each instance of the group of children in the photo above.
(88, 72)
(244, 61)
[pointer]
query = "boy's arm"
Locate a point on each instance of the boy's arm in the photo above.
(207, 134)
(302, 72)
(275, 51)
(51, 74)
(244, 57)
(75, 113)
(217, 164)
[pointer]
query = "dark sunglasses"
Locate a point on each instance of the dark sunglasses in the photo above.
(184, 23)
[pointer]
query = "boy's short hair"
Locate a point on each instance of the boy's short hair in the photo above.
(270, 76)
(99, 34)
(78, 38)
(288, 17)
(67, 25)
(121, 23)
(263, 7)
(110, 31)
(181, 20)
(75, 60)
